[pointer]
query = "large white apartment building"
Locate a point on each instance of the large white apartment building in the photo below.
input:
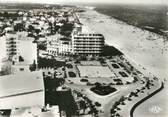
(21, 45)
(83, 41)
(11, 45)
(20, 50)
(86, 41)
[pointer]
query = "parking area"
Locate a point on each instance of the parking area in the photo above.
(120, 70)
(95, 71)
(116, 70)
(71, 71)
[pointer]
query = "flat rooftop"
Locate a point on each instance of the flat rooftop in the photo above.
(35, 111)
(21, 90)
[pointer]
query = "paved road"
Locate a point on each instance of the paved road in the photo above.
(106, 102)
(157, 106)
(125, 91)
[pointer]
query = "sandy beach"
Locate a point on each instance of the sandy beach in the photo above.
(145, 48)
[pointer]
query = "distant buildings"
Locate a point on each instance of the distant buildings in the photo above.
(59, 32)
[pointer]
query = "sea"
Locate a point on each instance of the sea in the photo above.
(150, 17)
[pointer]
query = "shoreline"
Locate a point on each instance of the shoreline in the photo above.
(152, 29)
(146, 48)
(162, 31)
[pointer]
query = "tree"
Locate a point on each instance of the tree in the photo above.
(115, 104)
(83, 105)
(19, 27)
(113, 111)
(66, 29)
(98, 85)
(33, 66)
(148, 84)
(111, 51)
(30, 28)
(97, 104)
(57, 28)
(42, 46)
(21, 59)
(6, 14)
(122, 99)
(37, 31)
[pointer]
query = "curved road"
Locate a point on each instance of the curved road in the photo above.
(157, 106)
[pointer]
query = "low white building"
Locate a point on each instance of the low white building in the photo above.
(59, 46)
(24, 95)
(65, 46)
(21, 90)
(53, 45)
(20, 67)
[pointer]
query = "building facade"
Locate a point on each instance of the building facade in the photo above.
(20, 51)
(21, 45)
(65, 46)
(59, 46)
(88, 43)
(82, 41)
(11, 45)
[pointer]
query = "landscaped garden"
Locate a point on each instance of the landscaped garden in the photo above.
(84, 80)
(123, 74)
(71, 74)
(115, 66)
(103, 89)
(69, 66)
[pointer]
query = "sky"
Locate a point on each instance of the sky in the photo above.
(89, 1)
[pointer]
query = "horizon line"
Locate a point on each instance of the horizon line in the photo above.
(78, 3)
